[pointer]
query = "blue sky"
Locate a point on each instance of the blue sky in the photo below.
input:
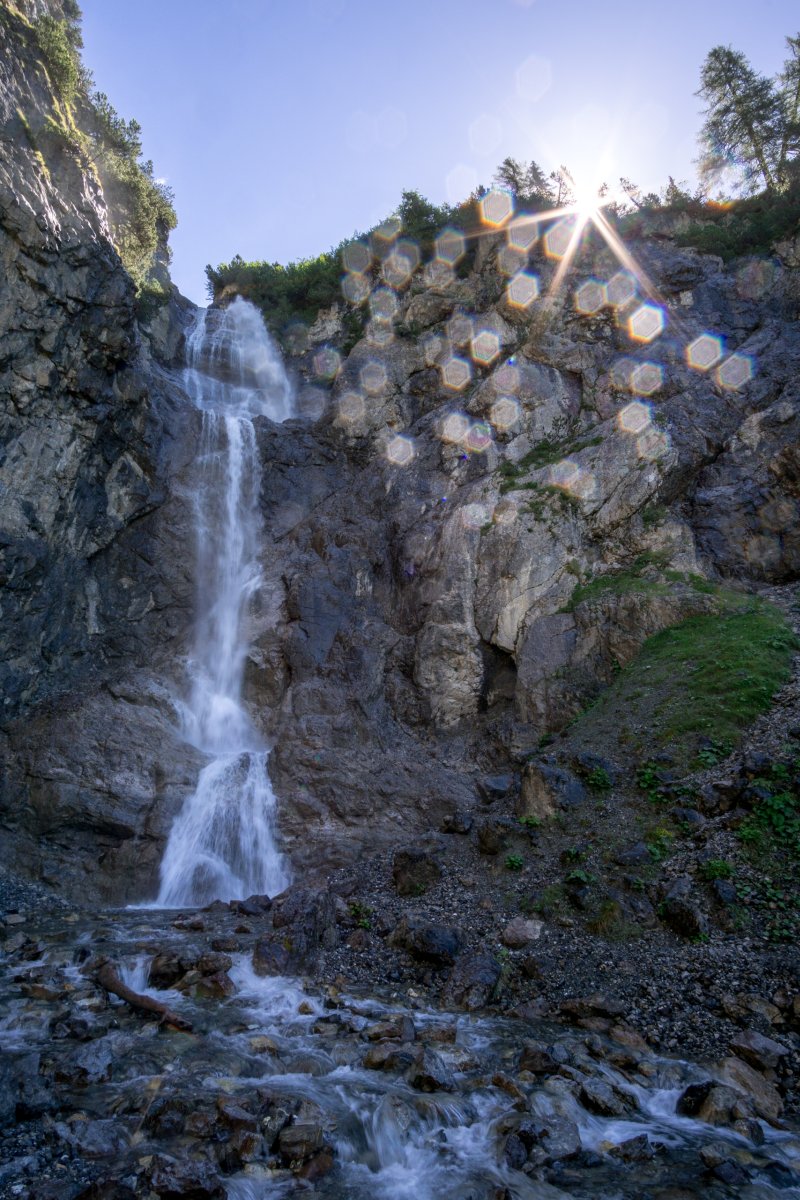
(286, 125)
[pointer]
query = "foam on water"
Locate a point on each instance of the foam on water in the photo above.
(222, 844)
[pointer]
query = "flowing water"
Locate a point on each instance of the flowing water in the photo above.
(222, 844)
(288, 1053)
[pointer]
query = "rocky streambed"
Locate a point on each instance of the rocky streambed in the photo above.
(266, 1080)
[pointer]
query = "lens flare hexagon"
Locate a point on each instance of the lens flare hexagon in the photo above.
(357, 257)
(399, 265)
(455, 428)
(400, 451)
(475, 516)
(496, 207)
(590, 297)
(485, 347)
(564, 474)
(355, 288)
(504, 413)
(383, 304)
(373, 378)
(735, 372)
(634, 417)
(522, 233)
(437, 274)
(456, 373)
(506, 378)
(646, 378)
(433, 346)
(478, 438)
(510, 260)
(646, 323)
(379, 332)
(351, 406)
(652, 444)
(327, 362)
(533, 78)
(704, 352)
(450, 246)
(558, 237)
(522, 290)
(621, 289)
(384, 234)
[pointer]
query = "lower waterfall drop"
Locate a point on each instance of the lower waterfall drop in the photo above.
(221, 846)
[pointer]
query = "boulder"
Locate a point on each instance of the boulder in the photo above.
(473, 981)
(521, 932)
(414, 870)
(429, 1073)
(761, 1052)
(437, 944)
(765, 1098)
(600, 1097)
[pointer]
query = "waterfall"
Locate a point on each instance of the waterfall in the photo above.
(221, 845)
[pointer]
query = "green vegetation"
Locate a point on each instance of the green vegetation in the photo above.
(727, 668)
(514, 862)
(659, 843)
(85, 125)
(775, 820)
(547, 901)
(299, 290)
(361, 914)
(543, 454)
(715, 868)
(694, 687)
(530, 822)
(620, 583)
(752, 122)
(599, 779)
(749, 226)
(580, 877)
(60, 43)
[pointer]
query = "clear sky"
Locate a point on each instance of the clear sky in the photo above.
(286, 125)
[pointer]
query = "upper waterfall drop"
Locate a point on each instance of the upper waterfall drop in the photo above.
(222, 846)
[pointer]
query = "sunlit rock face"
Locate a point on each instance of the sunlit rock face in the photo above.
(485, 454)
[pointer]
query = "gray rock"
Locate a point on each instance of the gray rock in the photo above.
(600, 1097)
(761, 1052)
(414, 870)
(521, 932)
(429, 1073)
(473, 981)
(438, 944)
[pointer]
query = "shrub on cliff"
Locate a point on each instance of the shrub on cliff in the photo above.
(140, 207)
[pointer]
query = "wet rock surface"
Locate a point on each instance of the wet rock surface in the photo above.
(289, 1082)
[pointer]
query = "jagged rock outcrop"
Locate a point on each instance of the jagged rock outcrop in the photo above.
(445, 596)
(94, 575)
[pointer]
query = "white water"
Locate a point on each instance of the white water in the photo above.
(222, 844)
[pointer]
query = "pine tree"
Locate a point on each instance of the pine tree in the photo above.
(751, 121)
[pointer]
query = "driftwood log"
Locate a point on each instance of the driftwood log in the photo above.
(108, 979)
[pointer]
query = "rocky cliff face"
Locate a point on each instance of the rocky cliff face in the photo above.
(92, 562)
(440, 522)
(459, 570)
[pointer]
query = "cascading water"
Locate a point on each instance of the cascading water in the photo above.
(222, 845)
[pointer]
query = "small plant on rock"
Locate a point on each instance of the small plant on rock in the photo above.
(715, 868)
(361, 914)
(514, 862)
(599, 779)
